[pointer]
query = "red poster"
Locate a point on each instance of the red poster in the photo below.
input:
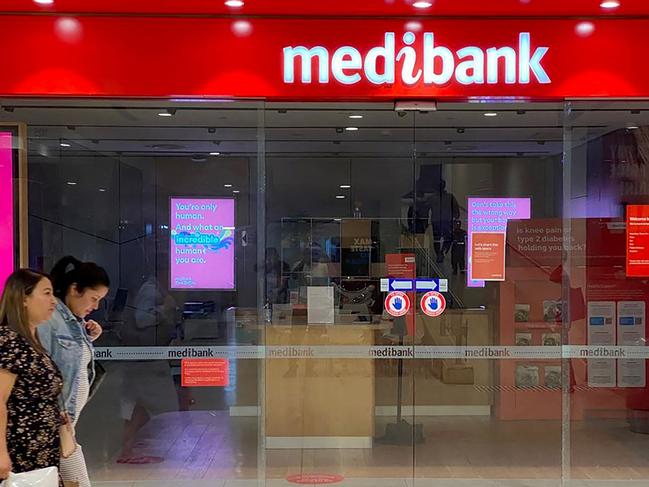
(488, 256)
(198, 372)
(637, 241)
(403, 266)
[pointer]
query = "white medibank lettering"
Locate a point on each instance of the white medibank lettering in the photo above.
(409, 56)
(387, 53)
(306, 55)
(431, 52)
(339, 64)
(440, 65)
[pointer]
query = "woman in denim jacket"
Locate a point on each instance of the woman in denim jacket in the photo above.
(67, 337)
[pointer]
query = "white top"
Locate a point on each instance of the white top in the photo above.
(84, 380)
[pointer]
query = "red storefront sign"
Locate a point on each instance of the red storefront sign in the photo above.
(637, 241)
(347, 59)
(198, 372)
(338, 8)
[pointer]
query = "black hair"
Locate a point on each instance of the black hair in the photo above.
(83, 275)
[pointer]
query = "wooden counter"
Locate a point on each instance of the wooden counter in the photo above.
(333, 403)
(319, 403)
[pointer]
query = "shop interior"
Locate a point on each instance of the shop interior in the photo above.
(327, 197)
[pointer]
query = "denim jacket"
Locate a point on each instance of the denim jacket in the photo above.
(63, 337)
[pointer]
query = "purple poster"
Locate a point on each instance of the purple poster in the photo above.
(202, 243)
(6, 208)
(490, 215)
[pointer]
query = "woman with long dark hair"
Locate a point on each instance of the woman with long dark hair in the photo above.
(30, 383)
(67, 337)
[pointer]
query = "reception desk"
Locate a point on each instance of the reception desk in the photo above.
(320, 402)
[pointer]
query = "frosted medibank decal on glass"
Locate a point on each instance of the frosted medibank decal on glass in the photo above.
(637, 241)
(202, 243)
(7, 256)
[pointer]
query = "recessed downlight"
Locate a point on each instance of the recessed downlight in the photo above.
(351, 129)
(422, 4)
(610, 4)
(236, 191)
(227, 185)
(345, 186)
(340, 196)
(44, 2)
(234, 3)
(356, 117)
(215, 153)
(71, 183)
(65, 144)
(490, 114)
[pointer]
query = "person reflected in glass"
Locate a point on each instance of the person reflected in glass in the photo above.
(458, 250)
(444, 210)
(148, 388)
(277, 277)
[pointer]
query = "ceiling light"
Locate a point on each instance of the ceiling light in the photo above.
(215, 153)
(356, 116)
(227, 185)
(241, 28)
(351, 129)
(65, 144)
(584, 29)
(491, 114)
(71, 183)
(632, 127)
(44, 2)
(413, 26)
(236, 191)
(340, 196)
(102, 190)
(168, 112)
(422, 4)
(345, 186)
(234, 3)
(610, 4)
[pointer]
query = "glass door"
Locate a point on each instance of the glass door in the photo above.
(340, 216)
(487, 371)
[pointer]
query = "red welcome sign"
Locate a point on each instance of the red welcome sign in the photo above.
(199, 372)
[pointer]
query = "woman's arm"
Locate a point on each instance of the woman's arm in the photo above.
(7, 381)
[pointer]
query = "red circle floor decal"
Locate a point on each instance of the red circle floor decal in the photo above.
(315, 478)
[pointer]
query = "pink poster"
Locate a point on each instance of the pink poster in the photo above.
(490, 215)
(6, 208)
(202, 243)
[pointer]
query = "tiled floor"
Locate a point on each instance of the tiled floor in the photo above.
(208, 448)
(386, 483)
(203, 445)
